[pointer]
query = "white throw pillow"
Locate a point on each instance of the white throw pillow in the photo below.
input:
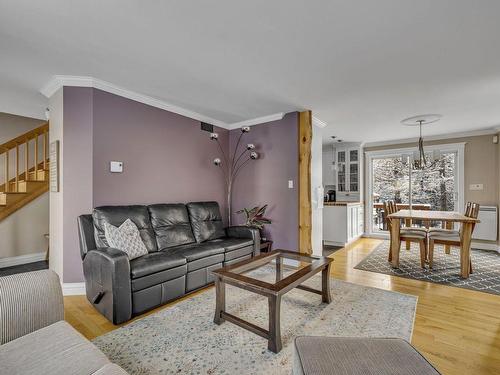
(126, 238)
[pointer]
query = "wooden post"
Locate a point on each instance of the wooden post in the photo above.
(274, 343)
(7, 171)
(305, 211)
(220, 300)
(395, 242)
(325, 284)
(17, 168)
(36, 157)
(466, 237)
(408, 224)
(27, 159)
(448, 225)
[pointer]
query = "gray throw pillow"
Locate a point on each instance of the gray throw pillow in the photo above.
(127, 238)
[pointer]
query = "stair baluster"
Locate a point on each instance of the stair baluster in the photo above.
(7, 189)
(27, 159)
(45, 156)
(17, 167)
(36, 157)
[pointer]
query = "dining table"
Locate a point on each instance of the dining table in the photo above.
(466, 222)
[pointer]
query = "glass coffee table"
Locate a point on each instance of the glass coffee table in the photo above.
(289, 270)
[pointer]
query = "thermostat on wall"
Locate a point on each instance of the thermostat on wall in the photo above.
(116, 166)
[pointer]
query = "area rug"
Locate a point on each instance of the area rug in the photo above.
(183, 339)
(446, 268)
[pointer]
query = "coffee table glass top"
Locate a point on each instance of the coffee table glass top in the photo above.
(273, 270)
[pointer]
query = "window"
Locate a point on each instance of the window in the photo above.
(391, 175)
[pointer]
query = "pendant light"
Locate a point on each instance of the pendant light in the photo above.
(419, 159)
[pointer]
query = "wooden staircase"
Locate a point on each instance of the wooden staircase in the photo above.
(22, 184)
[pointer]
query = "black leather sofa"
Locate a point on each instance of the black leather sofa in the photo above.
(184, 242)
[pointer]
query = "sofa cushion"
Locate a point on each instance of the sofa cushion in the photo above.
(205, 262)
(171, 225)
(206, 220)
(155, 262)
(196, 251)
(55, 349)
(126, 238)
(242, 251)
(156, 278)
(116, 215)
(230, 244)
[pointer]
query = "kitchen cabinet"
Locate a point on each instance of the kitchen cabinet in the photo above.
(348, 169)
(342, 223)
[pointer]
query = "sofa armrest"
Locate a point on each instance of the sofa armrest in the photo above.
(107, 283)
(246, 232)
(28, 302)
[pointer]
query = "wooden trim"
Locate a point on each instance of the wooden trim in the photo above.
(305, 209)
(27, 198)
(23, 137)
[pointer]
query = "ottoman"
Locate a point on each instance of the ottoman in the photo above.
(357, 355)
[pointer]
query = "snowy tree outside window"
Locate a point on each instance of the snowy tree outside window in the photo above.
(433, 185)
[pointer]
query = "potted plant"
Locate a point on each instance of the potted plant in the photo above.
(255, 217)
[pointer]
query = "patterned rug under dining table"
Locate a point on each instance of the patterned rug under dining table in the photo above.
(467, 224)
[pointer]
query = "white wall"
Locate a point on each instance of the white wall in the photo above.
(23, 232)
(316, 190)
(56, 199)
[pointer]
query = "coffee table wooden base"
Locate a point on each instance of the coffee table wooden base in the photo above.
(273, 335)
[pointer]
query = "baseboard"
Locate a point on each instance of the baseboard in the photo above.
(334, 243)
(485, 246)
(22, 259)
(73, 289)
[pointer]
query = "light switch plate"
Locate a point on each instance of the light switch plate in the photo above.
(116, 166)
(290, 184)
(476, 187)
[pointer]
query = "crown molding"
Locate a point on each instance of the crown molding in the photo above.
(257, 120)
(472, 133)
(58, 81)
(317, 122)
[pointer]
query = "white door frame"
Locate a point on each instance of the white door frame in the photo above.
(459, 148)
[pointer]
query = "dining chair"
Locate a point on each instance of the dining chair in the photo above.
(411, 234)
(450, 237)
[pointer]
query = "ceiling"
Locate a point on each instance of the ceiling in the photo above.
(361, 66)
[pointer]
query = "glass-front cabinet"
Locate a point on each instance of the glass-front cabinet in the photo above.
(348, 170)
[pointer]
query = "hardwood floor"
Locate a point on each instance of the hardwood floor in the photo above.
(457, 330)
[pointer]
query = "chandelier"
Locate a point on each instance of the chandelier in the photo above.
(419, 160)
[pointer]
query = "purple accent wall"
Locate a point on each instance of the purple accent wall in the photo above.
(266, 180)
(167, 158)
(76, 177)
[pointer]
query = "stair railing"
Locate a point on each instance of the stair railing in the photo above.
(40, 134)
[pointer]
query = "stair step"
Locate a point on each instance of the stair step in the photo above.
(9, 198)
(41, 175)
(26, 186)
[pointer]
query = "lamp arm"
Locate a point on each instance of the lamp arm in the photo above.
(235, 163)
(237, 171)
(223, 153)
(236, 149)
